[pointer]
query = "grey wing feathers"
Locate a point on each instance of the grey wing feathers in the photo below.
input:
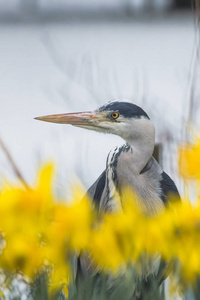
(96, 190)
(168, 188)
(95, 193)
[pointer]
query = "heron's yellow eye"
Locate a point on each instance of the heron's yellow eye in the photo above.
(114, 115)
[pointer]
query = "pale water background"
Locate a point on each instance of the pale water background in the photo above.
(55, 67)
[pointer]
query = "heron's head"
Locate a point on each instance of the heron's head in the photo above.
(121, 118)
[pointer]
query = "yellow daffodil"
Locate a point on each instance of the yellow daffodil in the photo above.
(41, 232)
(189, 160)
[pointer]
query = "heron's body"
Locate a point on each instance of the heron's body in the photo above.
(107, 189)
(130, 166)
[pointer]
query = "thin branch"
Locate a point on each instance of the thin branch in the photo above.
(14, 166)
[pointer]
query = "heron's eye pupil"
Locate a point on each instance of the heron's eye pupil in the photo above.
(114, 115)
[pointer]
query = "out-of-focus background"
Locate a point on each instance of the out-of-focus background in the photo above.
(61, 56)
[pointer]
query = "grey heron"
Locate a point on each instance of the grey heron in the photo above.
(131, 164)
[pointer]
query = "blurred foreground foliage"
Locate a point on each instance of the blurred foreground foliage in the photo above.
(41, 236)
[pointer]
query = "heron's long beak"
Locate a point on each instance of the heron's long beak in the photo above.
(77, 119)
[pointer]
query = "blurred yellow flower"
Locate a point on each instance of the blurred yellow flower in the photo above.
(189, 160)
(41, 232)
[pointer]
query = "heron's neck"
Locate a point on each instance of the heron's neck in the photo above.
(142, 146)
(141, 155)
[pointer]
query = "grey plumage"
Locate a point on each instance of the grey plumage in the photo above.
(153, 185)
(131, 165)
